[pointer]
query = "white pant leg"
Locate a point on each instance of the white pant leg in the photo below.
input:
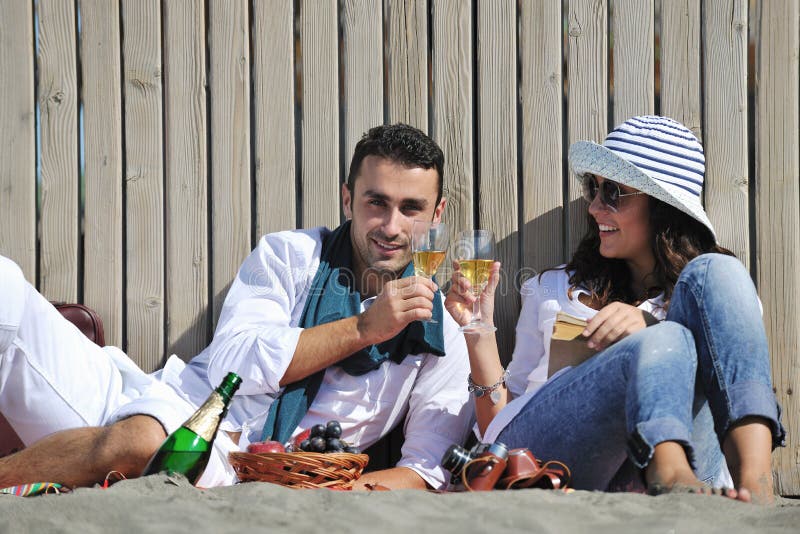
(51, 376)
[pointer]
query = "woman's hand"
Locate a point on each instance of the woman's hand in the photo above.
(614, 322)
(460, 299)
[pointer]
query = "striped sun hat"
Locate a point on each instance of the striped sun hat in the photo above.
(655, 155)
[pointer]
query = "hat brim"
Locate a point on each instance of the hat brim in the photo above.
(587, 157)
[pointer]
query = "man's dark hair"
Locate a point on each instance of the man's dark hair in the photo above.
(402, 144)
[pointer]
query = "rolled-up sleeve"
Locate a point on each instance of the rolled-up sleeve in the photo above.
(440, 412)
(257, 331)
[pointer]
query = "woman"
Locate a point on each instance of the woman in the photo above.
(682, 365)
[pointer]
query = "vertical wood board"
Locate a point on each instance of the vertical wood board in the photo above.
(407, 61)
(273, 116)
(186, 178)
(17, 137)
(144, 182)
(633, 42)
(680, 63)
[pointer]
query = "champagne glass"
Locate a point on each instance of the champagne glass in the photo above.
(475, 253)
(428, 248)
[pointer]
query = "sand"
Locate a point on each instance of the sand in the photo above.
(164, 504)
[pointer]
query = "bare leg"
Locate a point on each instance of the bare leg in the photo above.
(748, 451)
(669, 470)
(84, 456)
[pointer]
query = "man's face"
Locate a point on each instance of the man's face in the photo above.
(387, 198)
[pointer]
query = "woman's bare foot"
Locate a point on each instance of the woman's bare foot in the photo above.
(669, 472)
(748, 451)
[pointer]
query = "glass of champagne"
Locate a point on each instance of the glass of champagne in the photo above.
(428, 248)
(475, 253)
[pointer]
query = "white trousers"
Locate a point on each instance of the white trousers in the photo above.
(53, 378)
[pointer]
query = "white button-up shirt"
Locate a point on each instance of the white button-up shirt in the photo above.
(256, 337)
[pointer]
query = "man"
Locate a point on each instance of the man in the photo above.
(326, 322)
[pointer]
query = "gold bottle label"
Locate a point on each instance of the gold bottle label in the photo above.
(205, 420)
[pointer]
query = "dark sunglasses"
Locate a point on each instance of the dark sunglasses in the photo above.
(610, 193)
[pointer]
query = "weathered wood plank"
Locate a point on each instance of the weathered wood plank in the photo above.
(778, 216)
(17, 137)
(229, 50)
(320, 39)
(541, 97)
(497, 193)
(634, 85)
(452, 118)
(186, 177)
(362, 68)
(102, 120)
(680, 63)
(144, 182)
(725, 125)
(58, 142)
(587, 53)
(273, 116)
(407, 66)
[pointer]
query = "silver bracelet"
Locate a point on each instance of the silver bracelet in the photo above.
(479, 391)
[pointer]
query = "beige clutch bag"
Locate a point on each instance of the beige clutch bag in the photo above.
(567, 346)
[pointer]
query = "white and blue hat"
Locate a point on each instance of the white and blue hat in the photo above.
(656, 155)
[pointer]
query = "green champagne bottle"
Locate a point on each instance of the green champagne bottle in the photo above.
(188, 449)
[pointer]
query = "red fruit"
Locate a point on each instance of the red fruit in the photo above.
(265, 446)
(299, 438)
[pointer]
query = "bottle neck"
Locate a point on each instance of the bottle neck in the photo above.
(206, 419)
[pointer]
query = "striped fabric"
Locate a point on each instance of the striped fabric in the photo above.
(663, 148)
(656, 155)
(34, 488)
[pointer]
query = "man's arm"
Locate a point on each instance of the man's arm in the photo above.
(398, 304)
(393, 478)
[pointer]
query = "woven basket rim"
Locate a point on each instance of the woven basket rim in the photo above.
(299, 469)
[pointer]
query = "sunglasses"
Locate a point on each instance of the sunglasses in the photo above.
(610, 193)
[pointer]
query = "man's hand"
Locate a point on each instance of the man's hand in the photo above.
(399, 303)
(614, 322)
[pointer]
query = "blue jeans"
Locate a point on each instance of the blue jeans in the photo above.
(686, 380)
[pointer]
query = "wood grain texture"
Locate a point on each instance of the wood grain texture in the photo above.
(144, 182)
(320, 78)
(541, 97)
(229, 75)
(186, 177)
(633, 56)
(587, 53)
(725, 123)
(17, 137)
(273, 104)
(362, 70)
(453, 122)
(498, 191)
(777, 204)
(407, 61)
(680, 63)
(58, 157)
(102, 120)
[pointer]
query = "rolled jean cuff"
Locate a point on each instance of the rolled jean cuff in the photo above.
(754, 399)
(648, 434)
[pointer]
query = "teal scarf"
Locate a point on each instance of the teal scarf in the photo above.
(331, 298)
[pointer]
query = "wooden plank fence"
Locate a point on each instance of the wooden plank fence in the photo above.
(145, 145)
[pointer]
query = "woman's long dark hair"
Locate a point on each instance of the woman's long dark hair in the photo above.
(677, 239)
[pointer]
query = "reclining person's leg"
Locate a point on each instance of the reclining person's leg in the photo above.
(51, 376)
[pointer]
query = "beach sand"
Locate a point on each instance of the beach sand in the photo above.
(168, 504)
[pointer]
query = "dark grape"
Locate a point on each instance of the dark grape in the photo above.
(352, 450)
(305, 445)
(333, 430)
(317, 444)
(318, 431)
(334, 445)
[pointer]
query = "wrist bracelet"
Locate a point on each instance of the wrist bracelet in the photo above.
(479, 391)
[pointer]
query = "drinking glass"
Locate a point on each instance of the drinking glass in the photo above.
(475, 253)
(428, 248)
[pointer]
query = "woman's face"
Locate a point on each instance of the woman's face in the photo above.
(625, 234)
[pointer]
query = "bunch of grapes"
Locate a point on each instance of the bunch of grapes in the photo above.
(326, 438)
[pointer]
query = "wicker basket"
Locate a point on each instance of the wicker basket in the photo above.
(300, 469)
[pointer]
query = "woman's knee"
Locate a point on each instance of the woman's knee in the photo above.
(667, 341)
